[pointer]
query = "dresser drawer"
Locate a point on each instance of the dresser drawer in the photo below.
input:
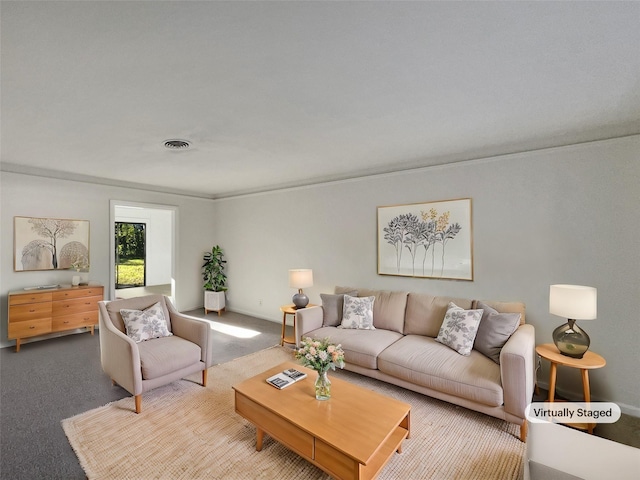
(35, 313)
(77, 320)
(30, 298)
(29, 328)
(75, 305)
(78, 293)
(32, 311)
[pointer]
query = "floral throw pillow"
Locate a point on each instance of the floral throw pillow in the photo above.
(459, 329)
(357, 312)
(146, 324)
(332, 308)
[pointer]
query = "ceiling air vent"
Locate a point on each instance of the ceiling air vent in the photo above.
(177, 144)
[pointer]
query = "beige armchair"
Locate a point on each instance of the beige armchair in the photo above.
(140, 367)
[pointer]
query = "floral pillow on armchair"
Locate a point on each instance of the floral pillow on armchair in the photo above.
(146, 324)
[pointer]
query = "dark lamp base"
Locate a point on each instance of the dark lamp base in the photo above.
(300, 300)
(571, 340)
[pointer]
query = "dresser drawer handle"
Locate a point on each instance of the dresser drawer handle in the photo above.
(66, 321)
(32, 310)
(32, 327)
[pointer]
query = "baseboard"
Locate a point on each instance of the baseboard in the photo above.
(255, 315)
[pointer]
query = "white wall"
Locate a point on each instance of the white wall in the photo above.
(565, 215)
(158, 240)
(24, 195)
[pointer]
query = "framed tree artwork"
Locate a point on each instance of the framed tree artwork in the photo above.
(50, 244)
(430, 240)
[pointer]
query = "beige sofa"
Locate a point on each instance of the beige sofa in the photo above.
(402, 350)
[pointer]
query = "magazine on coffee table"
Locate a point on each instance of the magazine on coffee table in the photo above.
(286, 378)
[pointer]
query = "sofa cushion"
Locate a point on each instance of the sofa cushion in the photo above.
(358, 313)
(161, 356)
(459, 328)
(388, 309)
(332, 306)
(145, 324)
(342, 290)
(425, 313)
(361, 347)
(423, 361)
(494, 331)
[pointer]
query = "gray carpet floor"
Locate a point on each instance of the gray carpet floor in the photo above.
(58, 378)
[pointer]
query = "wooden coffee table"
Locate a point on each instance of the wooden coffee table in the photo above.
(350, 436)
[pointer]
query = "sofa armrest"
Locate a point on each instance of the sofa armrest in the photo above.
(307, 320)
(517, 370)
(195, 330)
(119, 354)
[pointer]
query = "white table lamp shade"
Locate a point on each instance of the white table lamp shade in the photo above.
(301, 278)
(573, 301)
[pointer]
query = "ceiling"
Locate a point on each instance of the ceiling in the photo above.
(275, 94)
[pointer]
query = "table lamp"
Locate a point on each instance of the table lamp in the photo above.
(574, 302)
(300, 278)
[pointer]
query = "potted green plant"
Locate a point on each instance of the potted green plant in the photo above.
(215, 280)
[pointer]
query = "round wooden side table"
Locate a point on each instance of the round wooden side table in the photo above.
(590, 361)
(289, 309)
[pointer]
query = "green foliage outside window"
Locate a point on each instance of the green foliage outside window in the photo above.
(130, 240)
(130, 254)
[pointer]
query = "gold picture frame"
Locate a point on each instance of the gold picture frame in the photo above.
(426, 240)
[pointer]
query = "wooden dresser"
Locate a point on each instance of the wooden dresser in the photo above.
(38, 312)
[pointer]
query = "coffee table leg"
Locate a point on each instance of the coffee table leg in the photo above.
(406, 423)
(259, 437)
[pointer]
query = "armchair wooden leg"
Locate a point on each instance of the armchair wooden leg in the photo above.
(138, 399)
(523, 431)
(113, 382)
(204, 377)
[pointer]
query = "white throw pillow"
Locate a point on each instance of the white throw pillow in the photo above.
(146, 324)
(357, 313)
(459, 328)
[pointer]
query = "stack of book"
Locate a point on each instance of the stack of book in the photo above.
(286, 378)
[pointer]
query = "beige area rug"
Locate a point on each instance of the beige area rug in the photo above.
(186, 431)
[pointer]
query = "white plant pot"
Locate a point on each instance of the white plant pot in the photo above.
(214, 302)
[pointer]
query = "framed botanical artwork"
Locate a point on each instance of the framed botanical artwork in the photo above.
(430, 240)
(50, 244)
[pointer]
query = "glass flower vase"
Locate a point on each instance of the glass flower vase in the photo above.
(323, 386)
